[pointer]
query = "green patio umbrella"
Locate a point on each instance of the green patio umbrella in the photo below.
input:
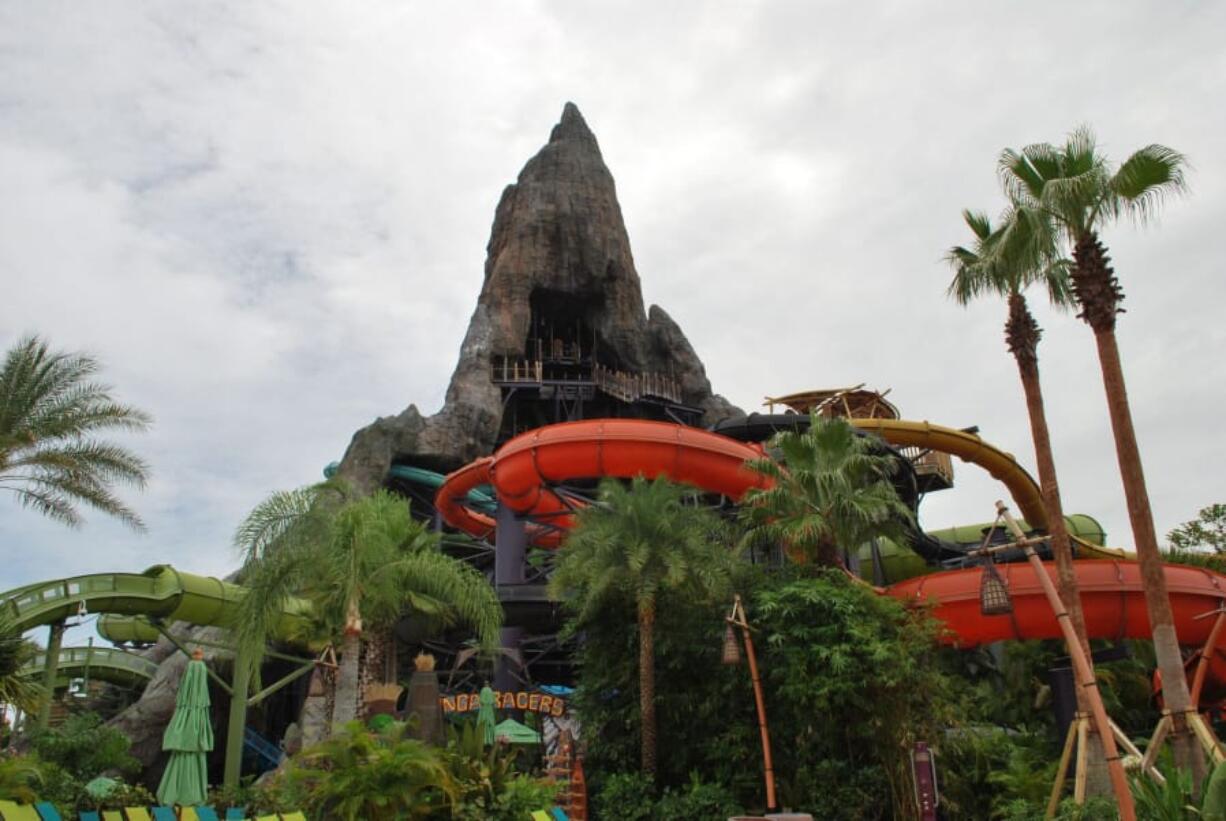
(188, 737)
(513, 732)
(485, 714)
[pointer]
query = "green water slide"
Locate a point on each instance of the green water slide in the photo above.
(160, 592)
(1081, 525)
(102, 663)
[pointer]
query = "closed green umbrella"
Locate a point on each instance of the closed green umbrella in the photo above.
(485, 714)
(188, 737)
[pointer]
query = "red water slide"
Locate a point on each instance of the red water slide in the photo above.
(1111, 597)
(525, 470)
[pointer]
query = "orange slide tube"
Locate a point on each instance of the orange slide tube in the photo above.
(1111, 598)
(523, 469)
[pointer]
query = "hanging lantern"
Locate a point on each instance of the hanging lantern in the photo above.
(732, 647)
(994, 598)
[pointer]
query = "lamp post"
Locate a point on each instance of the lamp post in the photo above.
(732, 655)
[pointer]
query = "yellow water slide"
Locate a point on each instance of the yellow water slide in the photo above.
(1001, 465)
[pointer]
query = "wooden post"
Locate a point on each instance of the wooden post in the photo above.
(1206, 653)
(739, 619)
(1062, 771)
(1084, 675)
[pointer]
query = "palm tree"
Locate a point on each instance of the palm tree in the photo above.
(362, 562)
(636, 542)
(18, 687)
(50, 410)
(829, 491)
(1003, 262)
(1076, 188)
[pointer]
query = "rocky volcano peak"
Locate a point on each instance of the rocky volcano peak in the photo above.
(560, 292)
(559, 275)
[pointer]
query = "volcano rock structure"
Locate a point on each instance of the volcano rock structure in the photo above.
(559, 278)
(559, 322)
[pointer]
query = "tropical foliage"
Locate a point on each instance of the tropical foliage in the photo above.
(360, 774)
(18, 686)
(1206, 532)
(849, 677)
(639, 541)
(51, 411)
(362, 562)
(829, 491)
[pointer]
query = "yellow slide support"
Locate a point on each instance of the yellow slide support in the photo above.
(1001, 465)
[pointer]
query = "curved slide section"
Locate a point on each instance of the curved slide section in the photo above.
(160, 592)
(103, 663)
(523, 470)
(1112, 599)
(970, 448)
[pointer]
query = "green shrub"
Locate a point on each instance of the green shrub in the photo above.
(360, 774)
(624, 797)
(696, 800)
(85, 747)
(21, 777)
(487, 786)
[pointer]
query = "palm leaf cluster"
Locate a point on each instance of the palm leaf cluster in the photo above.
(18, 687)
(640, 538)
(830, 490)
(50, 412)
(338, 551)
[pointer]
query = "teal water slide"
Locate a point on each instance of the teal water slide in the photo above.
(480, 498)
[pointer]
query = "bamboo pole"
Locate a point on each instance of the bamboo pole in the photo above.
(739, 619)
(1062, 771)
(1083, 672)
(1206, 653)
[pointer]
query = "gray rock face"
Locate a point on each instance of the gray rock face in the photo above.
(558, 242)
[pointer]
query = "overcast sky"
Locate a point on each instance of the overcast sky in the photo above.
(269, 220)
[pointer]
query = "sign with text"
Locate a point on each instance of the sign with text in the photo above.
(533, 702)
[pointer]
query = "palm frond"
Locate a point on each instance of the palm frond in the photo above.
(48, 411)
(1146, 178)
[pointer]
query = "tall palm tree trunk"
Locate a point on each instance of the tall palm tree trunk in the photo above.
(1022, 334)
(647, 685)
(348, 677)
(1175, 692)
(1099, 293)
(347, 680)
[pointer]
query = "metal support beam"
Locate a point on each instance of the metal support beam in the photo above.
(238, 721)
(55, 639)
(510, 546)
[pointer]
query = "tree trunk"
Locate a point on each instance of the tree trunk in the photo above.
(313, 719)
(1162, 623)
(1022, 334)
(647, 686)
(349, 676)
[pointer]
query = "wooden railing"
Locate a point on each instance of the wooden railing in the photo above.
(931, 463)
(628, 387)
